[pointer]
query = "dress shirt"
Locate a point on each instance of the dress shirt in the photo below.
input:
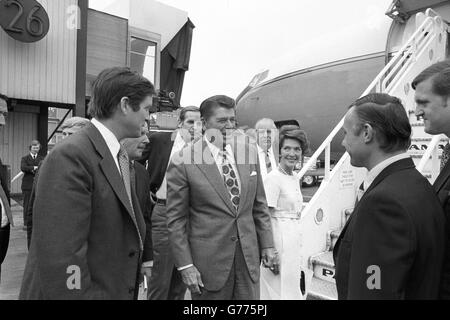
(262, 161)
(178, 145)
(5, 220)
(110, 139)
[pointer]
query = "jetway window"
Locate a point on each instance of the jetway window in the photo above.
(143, 58)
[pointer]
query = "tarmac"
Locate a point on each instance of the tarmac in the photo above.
(14, 264)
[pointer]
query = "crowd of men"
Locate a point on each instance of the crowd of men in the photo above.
(188, 209)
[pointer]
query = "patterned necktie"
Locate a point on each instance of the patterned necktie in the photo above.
(124, 164)
(230, 180)
(268, 163)
(445, 155)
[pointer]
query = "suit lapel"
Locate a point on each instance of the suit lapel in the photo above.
(244, 175)
(212, 174)
(109, 168)
(396, 166)
(442, 178)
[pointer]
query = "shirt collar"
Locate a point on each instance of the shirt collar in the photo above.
(371, 176)
(215, 151)
(109, 137)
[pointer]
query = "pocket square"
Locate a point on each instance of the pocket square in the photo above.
(254, 174)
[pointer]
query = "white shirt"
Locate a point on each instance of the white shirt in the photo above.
(262, 161)
(5, 220)
(178, 145)
(110, 139)
(373, 174)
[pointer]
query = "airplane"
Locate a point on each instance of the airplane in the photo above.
(314, 85)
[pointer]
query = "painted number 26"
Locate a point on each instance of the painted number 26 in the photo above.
(31, 18)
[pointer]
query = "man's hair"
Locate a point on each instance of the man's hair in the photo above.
(112, 85)
(74, 122)
(264, 123)
(295, 133)
(209, 105)
(34, 143)
(440, 75)
(185, 110)
(388, 117)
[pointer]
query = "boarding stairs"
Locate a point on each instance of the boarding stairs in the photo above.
(326, 214)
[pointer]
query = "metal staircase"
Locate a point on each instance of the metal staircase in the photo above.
(327, 212)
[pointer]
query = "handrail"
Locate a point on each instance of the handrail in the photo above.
(429, 152)
(396, 61)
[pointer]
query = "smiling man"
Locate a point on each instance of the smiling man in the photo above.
(433, 105)
(88, 227)
(217, 215)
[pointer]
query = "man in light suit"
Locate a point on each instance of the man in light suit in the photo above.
(266, 131)
(391, 246)
(88, 229)
(433, 105)
(218, 220)
(165, 281)
(5, 209)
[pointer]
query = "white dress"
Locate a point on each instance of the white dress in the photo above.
(284, 194)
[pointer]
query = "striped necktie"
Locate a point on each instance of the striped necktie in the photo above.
(268, 163)
(124, 164)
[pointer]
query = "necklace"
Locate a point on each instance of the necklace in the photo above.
(284, 171)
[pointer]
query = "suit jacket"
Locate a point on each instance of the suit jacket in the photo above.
(84, 231)
(204, 227)
(398, 226)
(143, 195)
(27, 165)
(442, 189)
(157, 153)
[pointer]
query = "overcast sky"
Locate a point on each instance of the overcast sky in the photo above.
(235, 39)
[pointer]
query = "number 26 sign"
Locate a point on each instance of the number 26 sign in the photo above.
(24, 20)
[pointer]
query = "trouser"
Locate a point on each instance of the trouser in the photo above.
(26, 201)
(165, 282)
(239, 285)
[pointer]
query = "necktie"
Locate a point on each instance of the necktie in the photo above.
(359, 193)
(230, 180)
(445, 155)
(124, 164)
(268, 163)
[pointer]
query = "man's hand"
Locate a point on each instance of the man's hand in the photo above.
(146, 271)
(192, 279)
(270, 260)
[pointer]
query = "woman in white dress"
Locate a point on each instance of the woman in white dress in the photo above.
(285, 201)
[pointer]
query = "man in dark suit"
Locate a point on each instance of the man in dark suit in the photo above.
(218, 220)
(391, 246)
(165, 280)
(29, 166)
(141, 182)
(433, 105)
(88, 227)
(5, 209)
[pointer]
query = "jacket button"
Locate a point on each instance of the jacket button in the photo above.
(132, 254)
